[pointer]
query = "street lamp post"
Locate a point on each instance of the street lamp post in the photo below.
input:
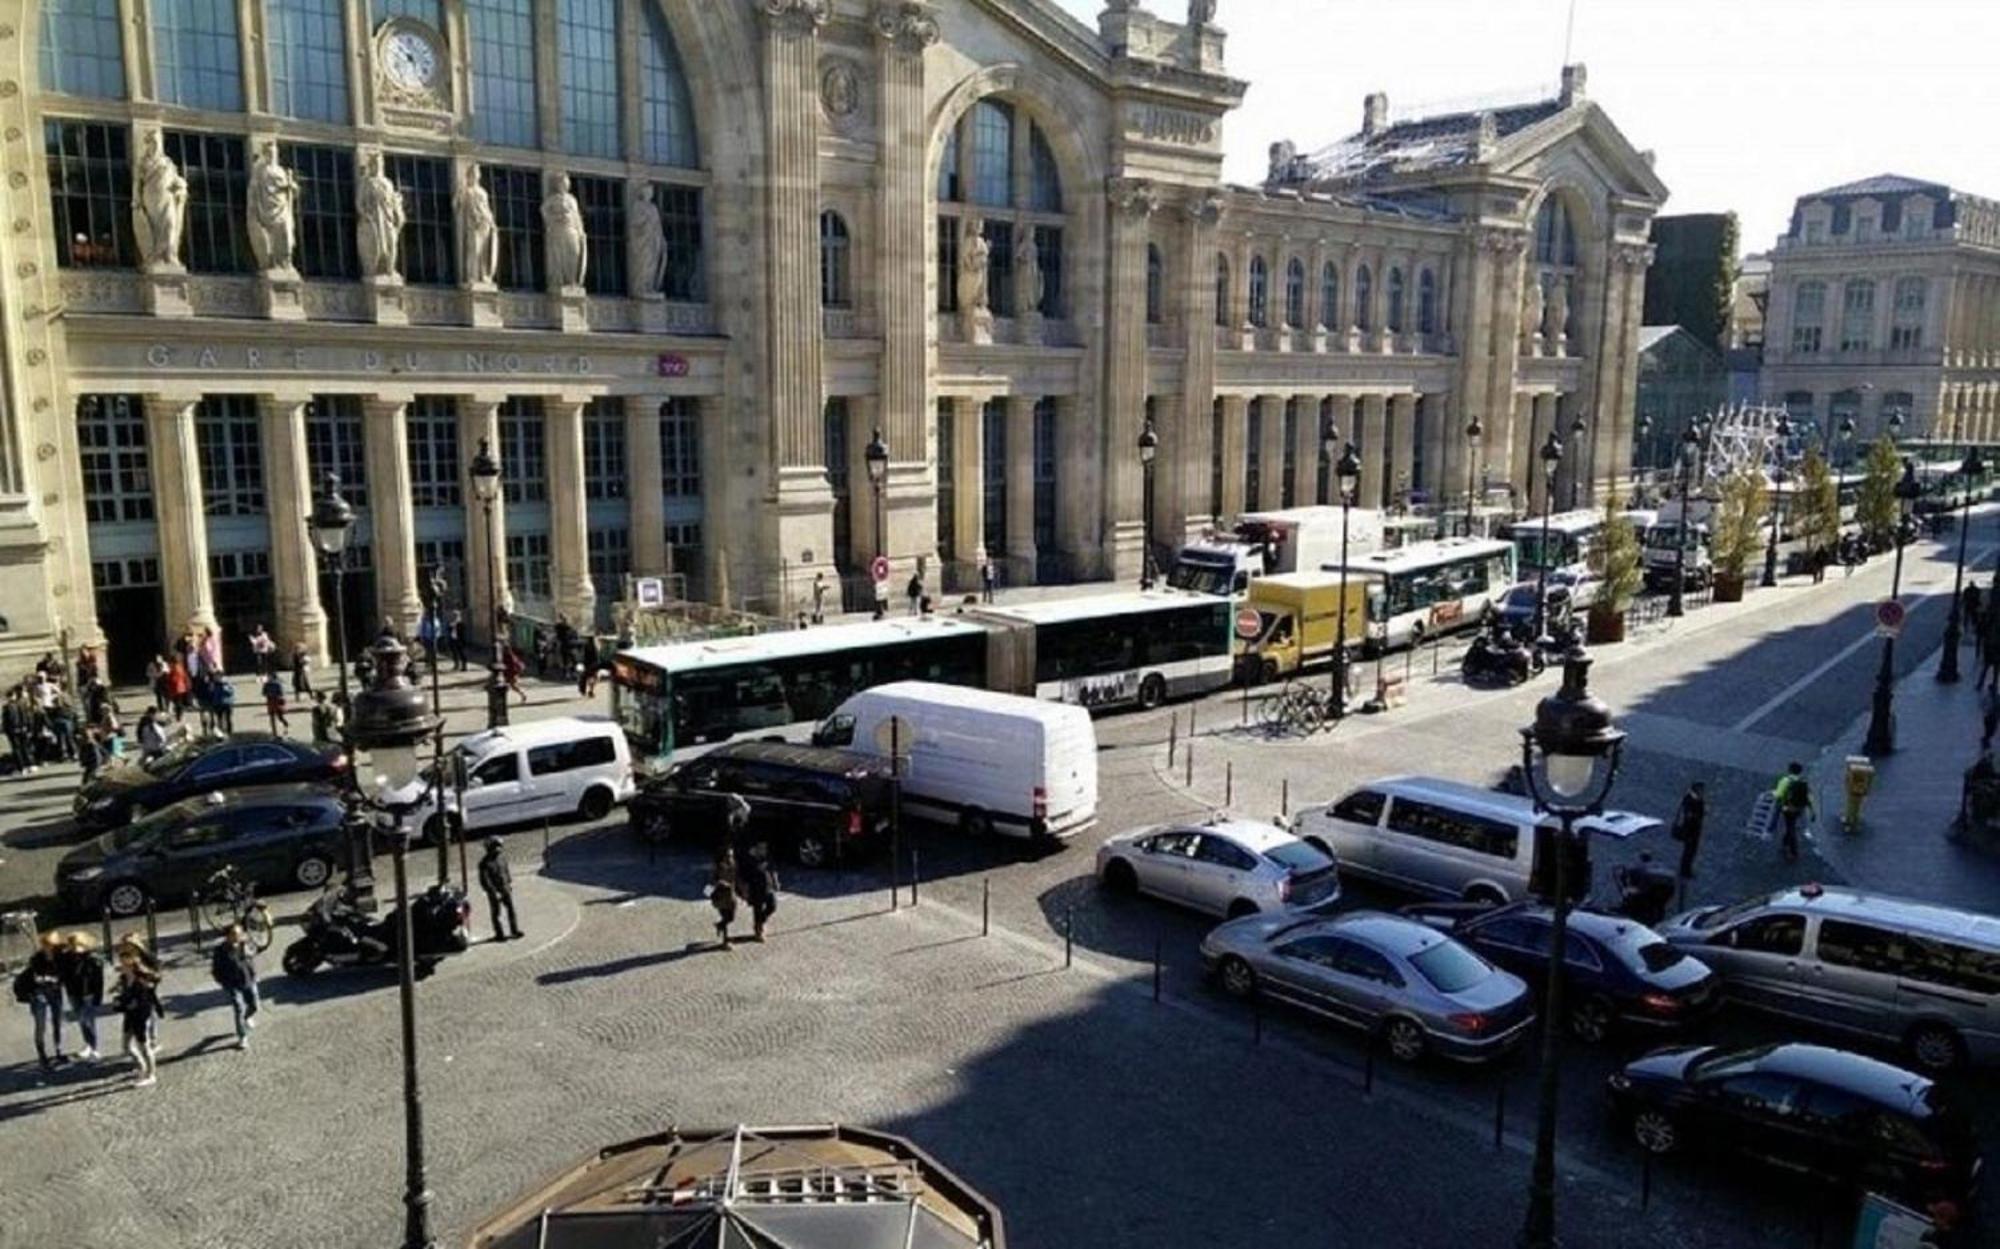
(438, 590)
(485, 474)
(1690, 451)
(1347, 475)
(1968, 471)
(876, 456)
(1569, 758)
(1784, 433)
(1552, 454)
(1473, 433)
(1881, 738)
(1577, 430)
(390, 722)
(1149, 449)
(330, 524)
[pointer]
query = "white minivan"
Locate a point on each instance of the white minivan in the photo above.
(984, 761)
(544, 769)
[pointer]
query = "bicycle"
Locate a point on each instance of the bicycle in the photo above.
(228, 899)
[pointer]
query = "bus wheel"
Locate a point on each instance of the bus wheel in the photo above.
(1152, 691)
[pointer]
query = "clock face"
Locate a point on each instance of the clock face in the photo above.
(410, 61)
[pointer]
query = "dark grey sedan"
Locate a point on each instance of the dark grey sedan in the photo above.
(1420, 990)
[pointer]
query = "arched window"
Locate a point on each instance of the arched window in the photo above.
(1156, 285)
(1364, 295)
(992, 154)
(1395, 301)
(1295, 294)
(587, 74)
(1555, 237)
(1808, 316)
(835, 251)
(82, 50)
(1329, 296)
(976, 170)
(1045, 191)
(666, 113)
(1260, 292)
(1906, 330)
(1222, 290)
(1427, 302)
(1857, 314)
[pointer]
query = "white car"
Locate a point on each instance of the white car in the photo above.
(1224, 867)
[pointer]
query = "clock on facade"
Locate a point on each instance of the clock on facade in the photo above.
(410, 60)
(412, 76)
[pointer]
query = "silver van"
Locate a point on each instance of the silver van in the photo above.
(1926, 977)
(1453, 840)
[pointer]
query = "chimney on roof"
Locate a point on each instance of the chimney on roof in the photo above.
(1573, 79)
(1374, 114)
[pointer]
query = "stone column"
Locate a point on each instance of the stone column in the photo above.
(485, 527)
(1271, 487)
(1235, 455)
(968, 478)
(1614, 423)
(648, 500)
(907, 28)
(1190, 471)
(1020, 490)
(1133, 201)
(1373, 442)
(294, 561)
(1439, 447)
(386, 442)
(1305, 451)
(569, 526)
(182, 518)
(1402, 448)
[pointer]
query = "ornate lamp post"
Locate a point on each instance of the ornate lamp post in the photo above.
(1784, 434)
(876, 456)
(1149, 449)
(1577, 429)
(1881, 738)
(390, 723)
(485, 474)
(1347, 476)
(439, 589)
(1968, 472)
(1569, 757)
(329, 525)
(1473, 433)
(1690, 450)
(1552, 454)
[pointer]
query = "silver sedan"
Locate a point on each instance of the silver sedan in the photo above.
(1421, 991)
(1224, 867)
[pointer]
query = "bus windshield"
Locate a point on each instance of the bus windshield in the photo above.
(1561, 548)
(1203, 576)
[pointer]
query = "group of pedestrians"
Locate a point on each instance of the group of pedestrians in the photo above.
(53, 716)
(747, 876)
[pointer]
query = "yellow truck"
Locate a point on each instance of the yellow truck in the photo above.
(1298, 618)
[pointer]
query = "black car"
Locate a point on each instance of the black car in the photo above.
(814, 804)
(1822, 1112)
(1620, 972)
(279, 836)
(135, 786)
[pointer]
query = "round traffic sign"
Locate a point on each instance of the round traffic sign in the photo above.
(879, 568)
(1889, 615)
(1247, 623)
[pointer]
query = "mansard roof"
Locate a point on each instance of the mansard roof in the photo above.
(1421, 144)
(1883, 184)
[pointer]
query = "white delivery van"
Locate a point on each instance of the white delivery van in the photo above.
(541, 770)
(983, 761)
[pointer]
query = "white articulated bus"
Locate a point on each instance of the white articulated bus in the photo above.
(1429, 588)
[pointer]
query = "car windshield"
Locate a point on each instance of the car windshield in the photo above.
(137, 830)
(1727, 1063)
(1299, 857)
(1450, 967)
(1730, 914)
(171, 760)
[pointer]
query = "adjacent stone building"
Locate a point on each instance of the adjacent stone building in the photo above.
(675, 261)
(1885, 298)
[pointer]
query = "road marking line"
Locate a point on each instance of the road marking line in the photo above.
(1785, 695)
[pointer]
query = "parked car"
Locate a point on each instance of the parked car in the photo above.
(1926, 977)
(1224, 867)
(275, 836)
(133, 786)
(815, 805)
(1620, 973)
(546, 769)
(1825, 1112)
(1419, 990)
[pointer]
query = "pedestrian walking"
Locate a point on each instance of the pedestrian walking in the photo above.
(1794, 794)
(819, 598)
(16, 722)
(497, 879)
(1687, 825)
(86, 667)
(760, 887)
(915, 591)
(90, 753)
(263, 651)
(987, 577)
(511, 668)
(222, 695)
(325, 726)
(1989, 644)
(1989, 717)
(589, 667)
(234, 966)
(139, 1011)
(302, 685)
(274, 704)
(39, 985)
(82, 973)
(60, 719)
(722, 891)
(156, 680)
(454, 635)
(180, 686)
(881, 597)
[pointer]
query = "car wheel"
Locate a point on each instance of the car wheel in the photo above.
(652, 826)
(1934, 1047)
(811, 850)
(975, 824)
(1590, 1020)
(1237, 978)
(127, 897)
(1485, 895)
(1119, 877)
(313, 871)
(595, 803)
(1656, 1132)
(1241, 907)
(1405, 1040)
(1152, 691)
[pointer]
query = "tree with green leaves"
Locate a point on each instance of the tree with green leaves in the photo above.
(1615, 558)
(1739, 522)
(1875, 507)
(1816, 504)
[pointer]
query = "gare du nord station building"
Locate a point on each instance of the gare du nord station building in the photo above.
(674, 262)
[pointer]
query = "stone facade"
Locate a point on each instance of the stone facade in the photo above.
(995, 235)
(1884, 296)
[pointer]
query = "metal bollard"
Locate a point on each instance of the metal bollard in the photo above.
(1156, 969)
(152, 928)
(1189, 781)
(1229, 783)
(1500, 1117)
(986, 906)
(545, 839)
(1246, 702)
(194, 923)
(1285, 797)
(916, 874)
(1173, 732)
(1190, 728)
(1069, 933)
(105, 918)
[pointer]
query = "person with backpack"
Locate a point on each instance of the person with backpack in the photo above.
(760, 887)
(139, 1009)
(1794, 794)
(274, 704)
(38, 986)
(1688, 820)
(722, 891)
(496, 880)
(223, 703)
(234, 966)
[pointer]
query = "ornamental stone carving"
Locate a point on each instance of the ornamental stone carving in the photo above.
(274, 201)
(160, 208)
(478, 231)
(909, 24)
(562, 226)
(379, 205)
(1503, 241)
(796, 17)
(1204, 209)
(1632, 255)
(839, 90)
(1135, 197)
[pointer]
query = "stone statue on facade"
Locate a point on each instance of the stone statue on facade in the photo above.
(1532, 314)
(478, 231)
(1556, 334)
(1284, 158)
(562, 223)
(379, 205)
(647, 240)
(1201, 13)
(1031, 286)
(161, 207)
(274, 204)
(974, 256)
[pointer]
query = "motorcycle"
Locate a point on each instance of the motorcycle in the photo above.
(338, 935)
(1497, 656)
